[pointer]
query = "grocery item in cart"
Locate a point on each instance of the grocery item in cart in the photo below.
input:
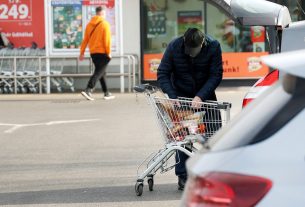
(185, 123)
(173, 111)
(195, 116)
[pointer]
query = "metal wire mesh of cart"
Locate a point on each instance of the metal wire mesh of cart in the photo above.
(181, 118)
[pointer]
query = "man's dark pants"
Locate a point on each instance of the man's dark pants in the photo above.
(100, 62)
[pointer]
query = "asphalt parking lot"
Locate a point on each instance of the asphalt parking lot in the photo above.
(61, 150)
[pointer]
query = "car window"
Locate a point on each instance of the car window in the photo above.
(288, 112)
(262, 118)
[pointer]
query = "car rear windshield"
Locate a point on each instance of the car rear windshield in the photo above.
(259, 121)
(287, 113)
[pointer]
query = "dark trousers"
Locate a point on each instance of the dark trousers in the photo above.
(100, 62)
(211, 128)
(180, 168)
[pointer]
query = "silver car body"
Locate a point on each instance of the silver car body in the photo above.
(293, 37)
(279, 154)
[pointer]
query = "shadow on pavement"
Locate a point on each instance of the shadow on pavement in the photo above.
(91, 195)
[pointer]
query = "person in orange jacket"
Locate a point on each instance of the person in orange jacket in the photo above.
(98, 38)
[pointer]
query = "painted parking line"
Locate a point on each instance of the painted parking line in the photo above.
(14, 127)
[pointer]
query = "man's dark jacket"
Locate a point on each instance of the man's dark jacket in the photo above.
(181, 75)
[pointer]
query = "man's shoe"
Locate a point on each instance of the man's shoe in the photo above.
(108, 96)
(87, 94)
(181, 182)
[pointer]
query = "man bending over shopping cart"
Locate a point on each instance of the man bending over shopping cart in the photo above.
(191, 67)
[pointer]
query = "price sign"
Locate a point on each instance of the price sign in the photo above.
(22, 21)
(15, 10)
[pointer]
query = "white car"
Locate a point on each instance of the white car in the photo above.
(258, 159)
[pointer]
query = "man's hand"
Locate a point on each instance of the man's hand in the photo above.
(81, 57)
(110, 56)
(196, 102)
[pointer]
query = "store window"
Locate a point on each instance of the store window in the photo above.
(233, 37)
(242, 46)
(165, 20)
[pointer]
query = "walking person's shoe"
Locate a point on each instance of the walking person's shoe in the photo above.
(108, 96)
(181, 182)
(87, 94)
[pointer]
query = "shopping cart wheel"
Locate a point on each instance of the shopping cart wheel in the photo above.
(150, 181)
(139, 188)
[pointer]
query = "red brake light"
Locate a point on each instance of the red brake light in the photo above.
(218, 189)
(246, 101)
(269, 79)
(260, 86)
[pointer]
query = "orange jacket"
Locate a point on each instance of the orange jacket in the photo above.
(99, 40)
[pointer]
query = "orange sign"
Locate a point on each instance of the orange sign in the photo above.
(235, 65)
(151, 63)
(244, 65)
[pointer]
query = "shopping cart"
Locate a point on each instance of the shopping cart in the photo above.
(182, 123)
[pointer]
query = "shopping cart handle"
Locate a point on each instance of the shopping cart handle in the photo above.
(145, 88)
(139, 88)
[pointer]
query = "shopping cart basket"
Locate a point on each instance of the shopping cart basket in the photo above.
(182, 123)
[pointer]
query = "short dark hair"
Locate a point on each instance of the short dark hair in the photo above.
(193, 37)
(99, 9)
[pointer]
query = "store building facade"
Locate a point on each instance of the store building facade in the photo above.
(142, 28)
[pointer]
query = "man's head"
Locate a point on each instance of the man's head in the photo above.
(194, 39)
(101, 11)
